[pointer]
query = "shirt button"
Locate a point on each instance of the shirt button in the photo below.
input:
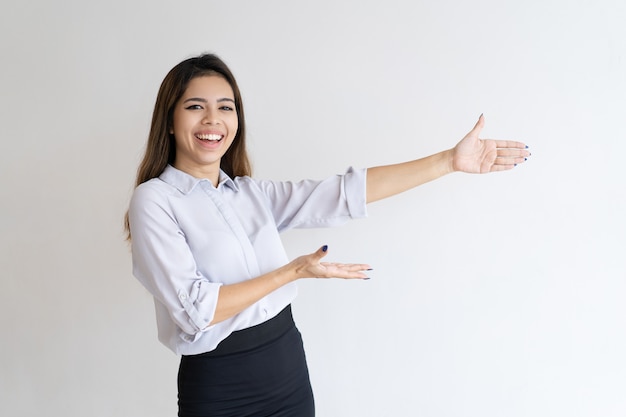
(183, 296)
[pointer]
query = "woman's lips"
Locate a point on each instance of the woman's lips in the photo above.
(214, 137)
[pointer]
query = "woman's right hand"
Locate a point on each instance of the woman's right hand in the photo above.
(310, 266)
(234, 298)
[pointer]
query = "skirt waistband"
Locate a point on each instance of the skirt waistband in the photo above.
(255, 336)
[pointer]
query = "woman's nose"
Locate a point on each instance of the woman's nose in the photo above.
(210, 117)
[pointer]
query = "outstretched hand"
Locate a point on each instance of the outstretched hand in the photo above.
(478, 156)
(310, 266)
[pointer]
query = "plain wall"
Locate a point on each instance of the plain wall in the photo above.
(495, 295)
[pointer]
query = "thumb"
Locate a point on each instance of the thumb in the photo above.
(321, 252)
(478, 126)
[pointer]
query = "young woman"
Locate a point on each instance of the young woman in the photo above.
(205, 242)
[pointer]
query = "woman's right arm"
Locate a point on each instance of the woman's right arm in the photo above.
(235, 298)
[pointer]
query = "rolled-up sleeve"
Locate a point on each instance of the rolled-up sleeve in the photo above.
(164, 264)
(310, 203)
(354, 182)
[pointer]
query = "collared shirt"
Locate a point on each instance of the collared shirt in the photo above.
(189, 238)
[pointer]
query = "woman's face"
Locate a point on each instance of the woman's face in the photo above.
(204, 126)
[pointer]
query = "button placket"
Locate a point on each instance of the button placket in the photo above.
(235, 225)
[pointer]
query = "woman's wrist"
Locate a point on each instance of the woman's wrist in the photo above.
(447, 162)
(286, 274)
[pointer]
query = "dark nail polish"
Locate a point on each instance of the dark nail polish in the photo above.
(324, 248)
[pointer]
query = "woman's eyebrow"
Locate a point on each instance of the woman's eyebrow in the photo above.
(203, 100)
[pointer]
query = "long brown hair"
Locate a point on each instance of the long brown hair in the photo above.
(160, 148)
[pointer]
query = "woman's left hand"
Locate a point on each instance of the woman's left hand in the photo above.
(479, 156)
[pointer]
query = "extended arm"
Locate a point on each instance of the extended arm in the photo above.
(471, 154)
(235, 298)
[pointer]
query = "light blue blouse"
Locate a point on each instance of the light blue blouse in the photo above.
(189, 238)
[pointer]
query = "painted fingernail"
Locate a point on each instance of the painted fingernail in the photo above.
(324, 248)
(526, 146)
(365, 279)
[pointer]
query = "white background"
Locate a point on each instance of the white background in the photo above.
(496, 295)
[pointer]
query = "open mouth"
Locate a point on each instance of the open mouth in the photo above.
(211, 137)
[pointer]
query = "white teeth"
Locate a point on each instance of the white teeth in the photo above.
(210, 136)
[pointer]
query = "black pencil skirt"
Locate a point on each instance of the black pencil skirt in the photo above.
(256, 372)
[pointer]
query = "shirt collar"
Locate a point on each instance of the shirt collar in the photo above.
(185, 183)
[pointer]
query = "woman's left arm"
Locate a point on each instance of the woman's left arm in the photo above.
(471, 154)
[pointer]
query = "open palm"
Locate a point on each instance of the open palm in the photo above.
(478, 156)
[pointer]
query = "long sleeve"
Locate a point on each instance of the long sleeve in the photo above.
(309, 203)
(165, 265)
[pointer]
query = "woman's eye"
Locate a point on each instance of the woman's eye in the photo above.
(194, 107)
(227, 108)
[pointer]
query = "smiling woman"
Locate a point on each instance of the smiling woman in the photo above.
(204, 126)
(205, 242)
(161, 149)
